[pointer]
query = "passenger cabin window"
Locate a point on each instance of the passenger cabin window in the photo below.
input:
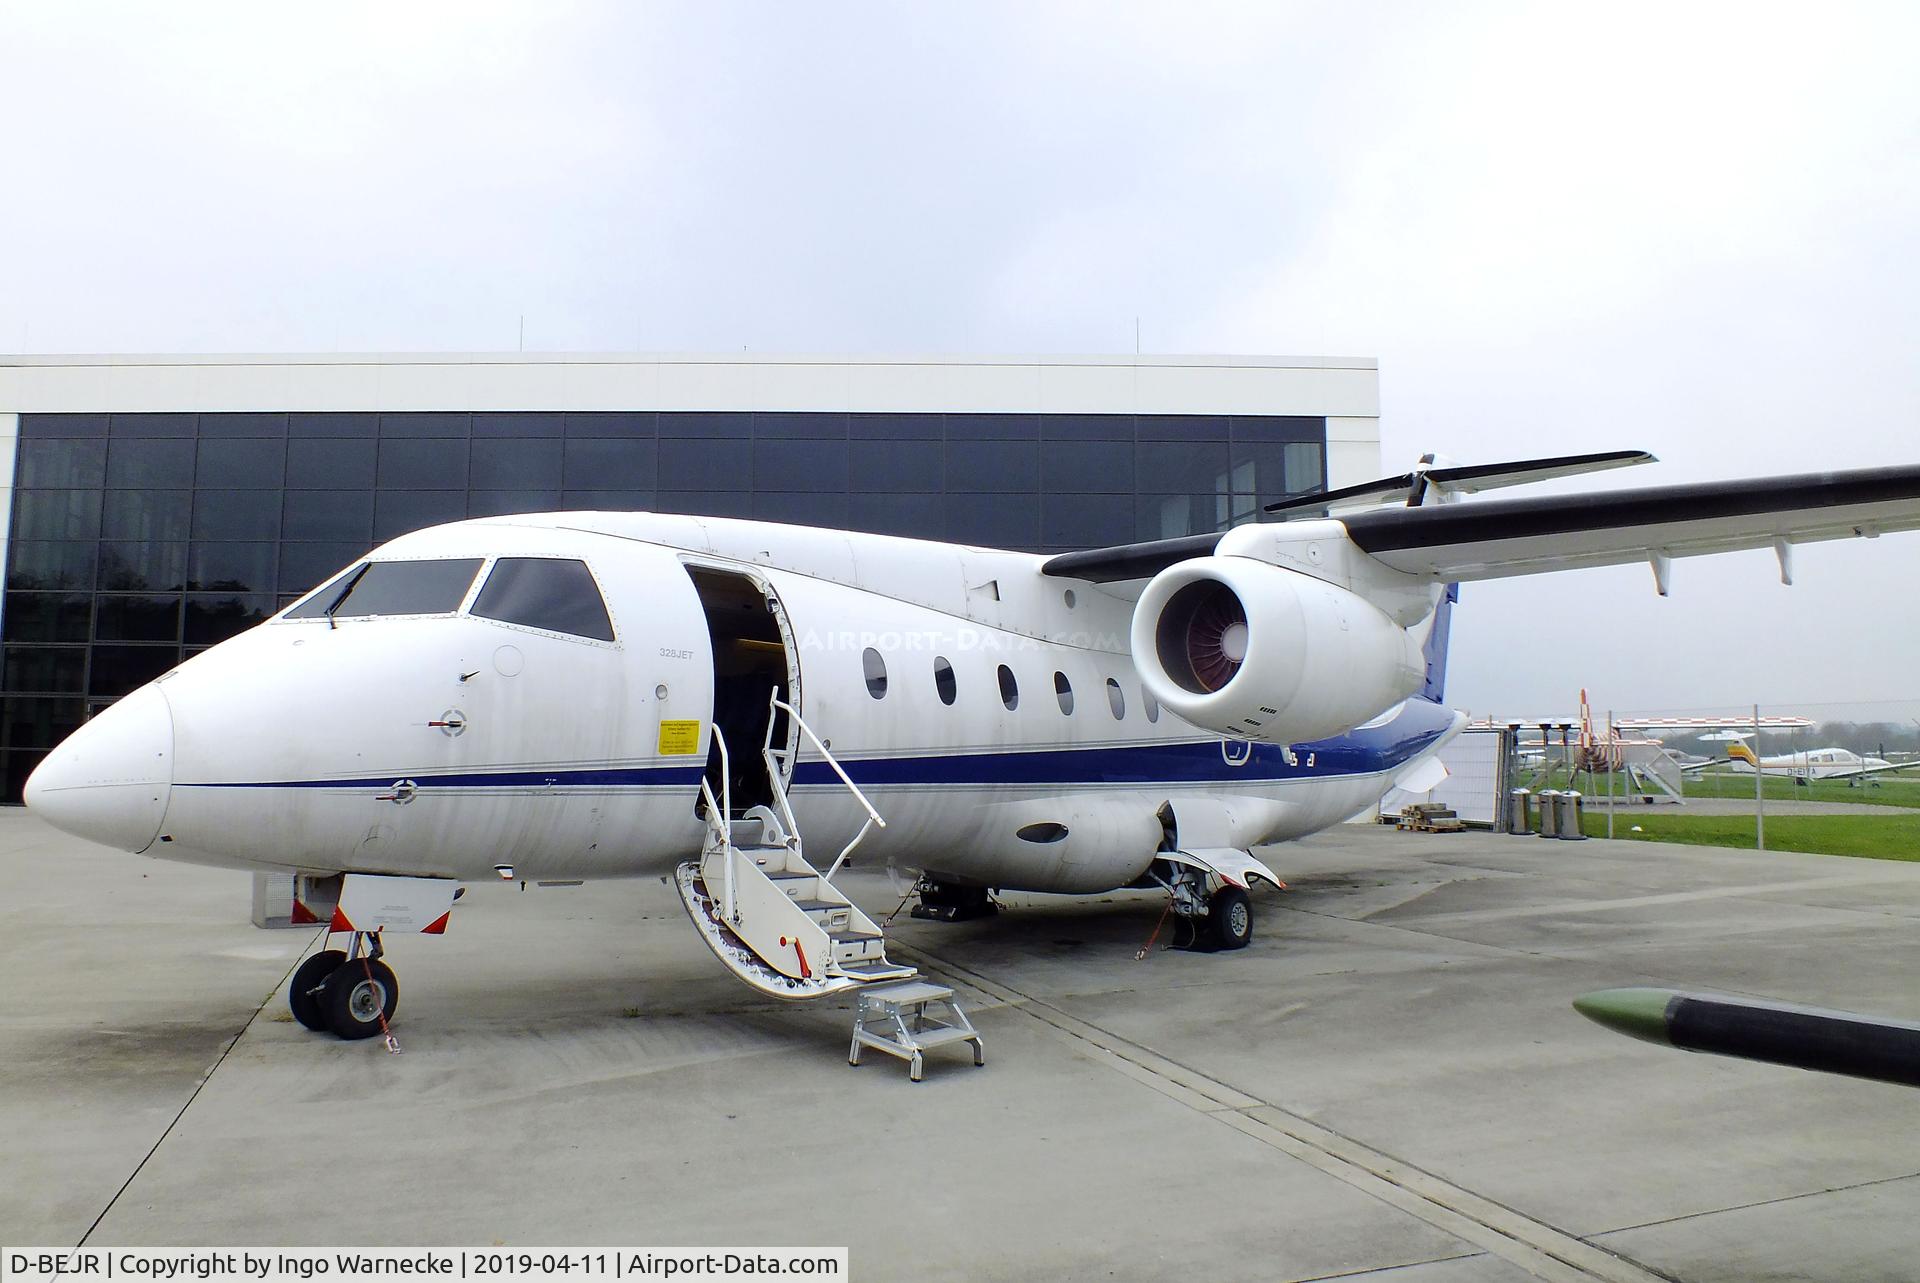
(1009, 689)
(1149, 705)
(393, 588)
(1064, 689)
(943, 679)
(1115, 700)
(556, 594)
(876, 670)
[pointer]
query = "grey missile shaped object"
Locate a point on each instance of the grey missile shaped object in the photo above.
(1816, 1038)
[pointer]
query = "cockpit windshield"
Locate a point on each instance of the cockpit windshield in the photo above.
(557, 594)
(393, 588)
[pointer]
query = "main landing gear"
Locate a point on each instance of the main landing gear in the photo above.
(951, 902)
(352, 993)
(1211, 913)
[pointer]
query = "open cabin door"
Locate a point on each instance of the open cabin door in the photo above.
(753, 656)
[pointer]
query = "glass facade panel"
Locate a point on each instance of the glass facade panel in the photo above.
(896, 427)
(138, 618)
(899, 467)
(620, 424)
(236, 514)
(214, 617)
(515, 463)
(146, 514)
(518, 425)
(55, 464)
(56, 514)
(704, 425)
(800, 465)
(115, 670)
(45, 669)
(688, 463)
(38, 722)
(992, 520)
(333, 425)
(142, 464)
(33, 563)
(1087, 466)
(330, 464)
(610, 464)
(706, 503)
(1086, 520)
(328, 514)
(241, 465)
(143, 566)
(189, 527)
(395, 426)
(430, 464)
(891, 514)
(607, 500)
(802, 508)
(64, 425)
(1086, 427)
(495, 503)
(397, 511)
(1197, 467)
(821, 427)
(997, 467)
(231, 567)
(242, 425)
(152, 425)
(49, 617)
(306, 565)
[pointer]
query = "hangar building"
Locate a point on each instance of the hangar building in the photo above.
(153, 505)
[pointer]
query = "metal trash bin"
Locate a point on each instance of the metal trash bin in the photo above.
(1520, 811)
(1570, 817)
(1549, 813)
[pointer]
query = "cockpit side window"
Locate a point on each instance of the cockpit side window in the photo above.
(393, 588)
(556, 594)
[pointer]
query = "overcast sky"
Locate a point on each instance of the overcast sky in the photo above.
(1688, 229)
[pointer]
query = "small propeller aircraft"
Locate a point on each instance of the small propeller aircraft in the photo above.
(1812, 764)
(584, 695)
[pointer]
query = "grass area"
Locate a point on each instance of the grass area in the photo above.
(1893, 789)
(1877, 837)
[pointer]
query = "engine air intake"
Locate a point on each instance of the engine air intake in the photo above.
(1202, 636)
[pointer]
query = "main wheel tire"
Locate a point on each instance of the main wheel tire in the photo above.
(1230, 918)
(303, 992)
(359, 997)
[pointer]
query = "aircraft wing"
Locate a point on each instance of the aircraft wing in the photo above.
(1871, 770)
(1500, 538)
(1505, 537)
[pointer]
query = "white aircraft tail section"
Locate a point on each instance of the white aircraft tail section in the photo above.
(772, 918)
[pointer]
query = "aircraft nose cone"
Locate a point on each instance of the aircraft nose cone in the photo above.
(108, 781)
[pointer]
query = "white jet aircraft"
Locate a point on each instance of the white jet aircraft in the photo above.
(593, 695)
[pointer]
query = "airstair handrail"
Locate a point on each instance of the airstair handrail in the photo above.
(723, 825)
(873, 816)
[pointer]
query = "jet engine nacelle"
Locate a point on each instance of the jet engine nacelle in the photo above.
(1255, 651)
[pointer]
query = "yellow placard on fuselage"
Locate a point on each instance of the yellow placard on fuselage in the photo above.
(679, 738)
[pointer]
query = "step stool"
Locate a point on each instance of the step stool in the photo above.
(894, 1019)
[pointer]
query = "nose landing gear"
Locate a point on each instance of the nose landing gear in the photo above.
(351, 993)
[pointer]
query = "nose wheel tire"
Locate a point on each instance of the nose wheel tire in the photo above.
(1230, 918)
(303, 993)
(358, 997)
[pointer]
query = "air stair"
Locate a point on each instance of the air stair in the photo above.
(776, 921)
